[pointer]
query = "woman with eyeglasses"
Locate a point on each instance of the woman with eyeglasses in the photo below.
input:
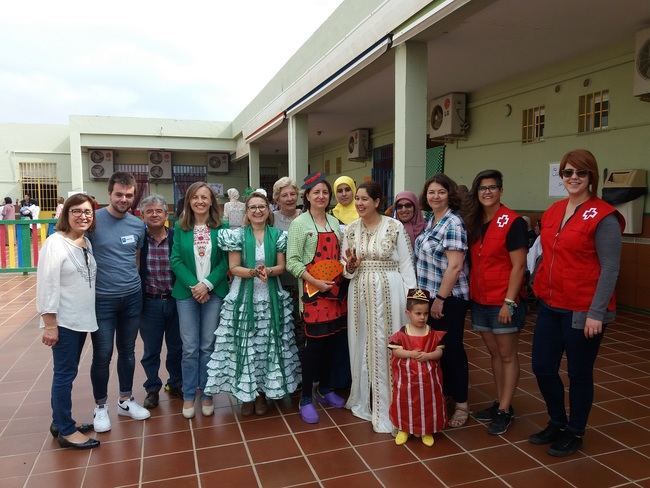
(255, 355)
(498, 241)
(201, 284)
(313, 254)
(407, 211)
(65, 300)
(575, 282)
(442, 271)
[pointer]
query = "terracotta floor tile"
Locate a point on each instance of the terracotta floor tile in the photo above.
(284, 473)
(337, 463)
(259, 429)
(527, 404)
(474, 437)
(505, 459)
(222, 457)
(296, 424)
(122, 430)
(627, 463)
(18, 465)
(442, 446)
(602, 394)
(113, 452)
(168, 466)
(57, 479)
(164, 425)
(539, 453)
(595, 442)
(184, 482)
(460, 468)
(61, 459)
(362, 433)
(385, 454)
(109, 475)
(486, 483)
(322, 440)
(587, 472)
(31, 425)
(627, 433)
(521, 428)
(217, 435)
(343, 416)
(412, 474)
(223, 415)
(360, 480)
(13, 482)
(535, 478)
(166, 443)
(601, 416)
(626, 388)
(243, 477)
(273, 449)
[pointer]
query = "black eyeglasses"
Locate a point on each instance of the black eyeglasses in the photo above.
(78, 212)
(257, 208)
(400, 206)
(568, 173)
(490, 188)
(90, 285)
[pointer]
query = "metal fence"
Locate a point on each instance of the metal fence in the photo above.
(20, 242)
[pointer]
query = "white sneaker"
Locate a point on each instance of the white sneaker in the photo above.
(101, 420)
(132, 409)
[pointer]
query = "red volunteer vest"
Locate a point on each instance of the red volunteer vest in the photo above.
(568, 274)
(490, 261)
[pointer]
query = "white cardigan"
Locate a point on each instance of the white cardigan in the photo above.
(65, 284)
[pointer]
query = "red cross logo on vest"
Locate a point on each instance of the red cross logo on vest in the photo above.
(589, 213)
(503, 221)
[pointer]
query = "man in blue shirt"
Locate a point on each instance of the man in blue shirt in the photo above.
(117, 240)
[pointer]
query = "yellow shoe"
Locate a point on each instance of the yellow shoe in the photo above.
(401, 438)
(427, 440)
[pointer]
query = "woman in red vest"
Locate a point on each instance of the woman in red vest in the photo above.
(498, 242)
(581, 248)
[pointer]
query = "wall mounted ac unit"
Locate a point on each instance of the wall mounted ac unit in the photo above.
(160, 166)
(359, 145)
(447, 116)
(100, 164)
(218, 162)
(642, 65)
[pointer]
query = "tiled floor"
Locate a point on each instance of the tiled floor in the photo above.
(341, 451)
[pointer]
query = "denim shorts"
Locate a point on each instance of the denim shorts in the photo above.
(485, 318)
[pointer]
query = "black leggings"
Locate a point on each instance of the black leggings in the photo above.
(319, 361)
(455, 370)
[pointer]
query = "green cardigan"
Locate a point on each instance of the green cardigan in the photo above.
(184, 266)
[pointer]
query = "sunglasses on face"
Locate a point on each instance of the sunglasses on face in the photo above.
(568, 173)
(400, 206)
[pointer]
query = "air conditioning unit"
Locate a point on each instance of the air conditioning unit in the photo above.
(642, 65)
(447, 116)
(218, 162)
(160, 166)
(100, 164)
(359, 145)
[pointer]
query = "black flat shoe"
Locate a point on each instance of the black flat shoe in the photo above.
(89, 444)
(83, 428)
(568, 444)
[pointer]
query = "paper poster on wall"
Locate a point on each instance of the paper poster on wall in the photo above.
(217, 188)
(555, 186)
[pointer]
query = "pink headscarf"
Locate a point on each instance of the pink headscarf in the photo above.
(417, 223)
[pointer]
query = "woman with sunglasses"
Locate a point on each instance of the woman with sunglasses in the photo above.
(255, 353)
(65, 300)
(575, 281)
(498, 242)
(407, 211)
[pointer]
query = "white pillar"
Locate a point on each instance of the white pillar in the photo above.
(76, 161)
(253, 165)
(410, 116)
(298, 147)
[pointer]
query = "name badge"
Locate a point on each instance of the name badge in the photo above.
(128, 239)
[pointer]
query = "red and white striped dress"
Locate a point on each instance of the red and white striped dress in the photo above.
(418, 405)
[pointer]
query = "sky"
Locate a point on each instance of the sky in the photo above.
(189, 59)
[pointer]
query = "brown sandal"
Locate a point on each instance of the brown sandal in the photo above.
(459, 418)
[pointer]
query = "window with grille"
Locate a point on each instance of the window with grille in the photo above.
(532, 124)
(184, 175)
(40, 182)
(593, 111)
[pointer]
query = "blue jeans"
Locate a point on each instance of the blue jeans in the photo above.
(159, 318)
(553, 336)
(118, 319)
(65, 357)
(198, 322)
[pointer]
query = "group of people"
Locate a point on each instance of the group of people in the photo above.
(382, 300)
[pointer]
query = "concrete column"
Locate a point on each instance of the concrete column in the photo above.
(76, 161)
(253, 165)
(410, 116)
(298, 147)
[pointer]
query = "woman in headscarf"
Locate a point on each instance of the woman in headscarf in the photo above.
(233, 211)
(344, 191)
(407, 211)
